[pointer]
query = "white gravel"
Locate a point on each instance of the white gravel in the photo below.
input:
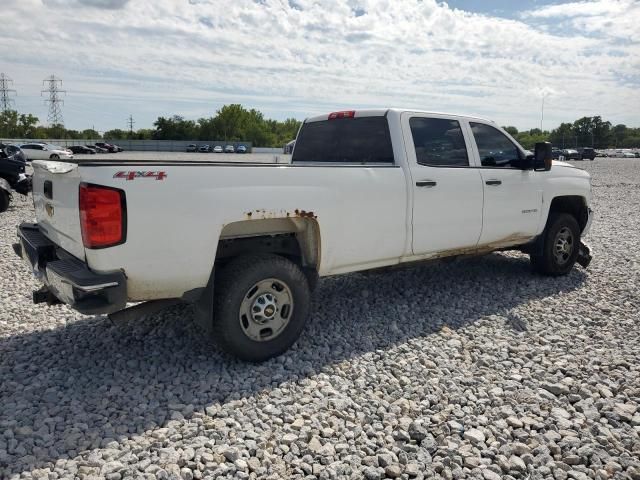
(472, 369)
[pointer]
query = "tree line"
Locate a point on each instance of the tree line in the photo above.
(584, 132)
(234, 122)
(231, 123)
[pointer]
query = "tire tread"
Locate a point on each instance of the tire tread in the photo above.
(227, 282)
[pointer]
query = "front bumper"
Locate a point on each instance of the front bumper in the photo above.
(66, 278)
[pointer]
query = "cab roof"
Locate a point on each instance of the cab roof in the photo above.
(381, 112)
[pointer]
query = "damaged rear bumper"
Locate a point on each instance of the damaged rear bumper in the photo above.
(67, 279)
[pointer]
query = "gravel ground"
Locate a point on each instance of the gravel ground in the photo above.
(470, 369)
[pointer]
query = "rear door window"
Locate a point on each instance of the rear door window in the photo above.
(438, 142)
(345, 140)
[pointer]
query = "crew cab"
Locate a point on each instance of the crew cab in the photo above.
(246, 242)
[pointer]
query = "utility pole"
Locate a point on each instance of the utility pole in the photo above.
(5, 93)
(52, 88)
(542, 112)
(130, 123)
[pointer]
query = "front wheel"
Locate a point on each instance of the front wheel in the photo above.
(54, 157)
(261, 305)
(561, 244)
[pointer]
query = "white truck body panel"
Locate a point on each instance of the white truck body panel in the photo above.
(364, 216)
(360, 212)
(59, 217)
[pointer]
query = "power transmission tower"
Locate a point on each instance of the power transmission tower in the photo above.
(5, 93)
(130, 123)
(52, 88)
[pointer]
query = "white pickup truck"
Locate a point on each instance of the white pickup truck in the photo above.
(246, 242)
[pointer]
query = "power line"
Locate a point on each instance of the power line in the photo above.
(52, 88)
(130, 123)
(5, 93)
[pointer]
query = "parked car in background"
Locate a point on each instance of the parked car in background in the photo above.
(192, 147)
(587, 153)
(601, 153)
(12, 174)
(229, 149)
(11, 150)
(81, 149)
(218, 149)
(97, 149)
(109, 147)
(570, 154)
(241, 149)
(45, 151)
(628, 155)
(205, 148)
(555, 153)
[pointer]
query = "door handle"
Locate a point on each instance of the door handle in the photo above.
(426, 183)
(493, 183)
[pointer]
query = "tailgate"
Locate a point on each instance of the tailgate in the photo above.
(55, 197)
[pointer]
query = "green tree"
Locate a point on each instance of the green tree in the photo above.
(174, 128)
(90, 134)
(563, 136)
(15, 125)
(116, 134)
(230, 121)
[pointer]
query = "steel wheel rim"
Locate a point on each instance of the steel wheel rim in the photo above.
(266, 309)
(563, 246)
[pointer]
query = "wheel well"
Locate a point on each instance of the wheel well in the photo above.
(573, 205)
(297, 239)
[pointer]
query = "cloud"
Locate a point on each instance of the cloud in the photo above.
(611, 18)
(304, 57)
(108, 4)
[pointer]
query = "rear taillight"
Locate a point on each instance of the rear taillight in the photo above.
(102, 216)
(344, 114)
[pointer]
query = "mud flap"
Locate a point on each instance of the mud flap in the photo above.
(202, 300)
(584, 255)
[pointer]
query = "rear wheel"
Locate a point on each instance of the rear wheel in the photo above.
(4, 201)
(561, 244)
(261, 305)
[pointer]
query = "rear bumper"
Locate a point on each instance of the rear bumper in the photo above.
(68, 279)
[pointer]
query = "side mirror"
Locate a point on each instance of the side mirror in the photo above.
(542, 157)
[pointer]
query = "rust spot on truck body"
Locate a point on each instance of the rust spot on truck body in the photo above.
(513, 240)
(304, 214)
(262, 214)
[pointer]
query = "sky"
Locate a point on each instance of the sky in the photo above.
(297, 58)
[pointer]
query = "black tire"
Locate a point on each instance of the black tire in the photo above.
(54, 157)
(4, 201)
(554, 262)
(233, 293)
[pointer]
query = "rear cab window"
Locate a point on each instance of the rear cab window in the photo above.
(349, 140)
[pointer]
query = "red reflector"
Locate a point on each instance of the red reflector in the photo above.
(345, 114)
(102, 216)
